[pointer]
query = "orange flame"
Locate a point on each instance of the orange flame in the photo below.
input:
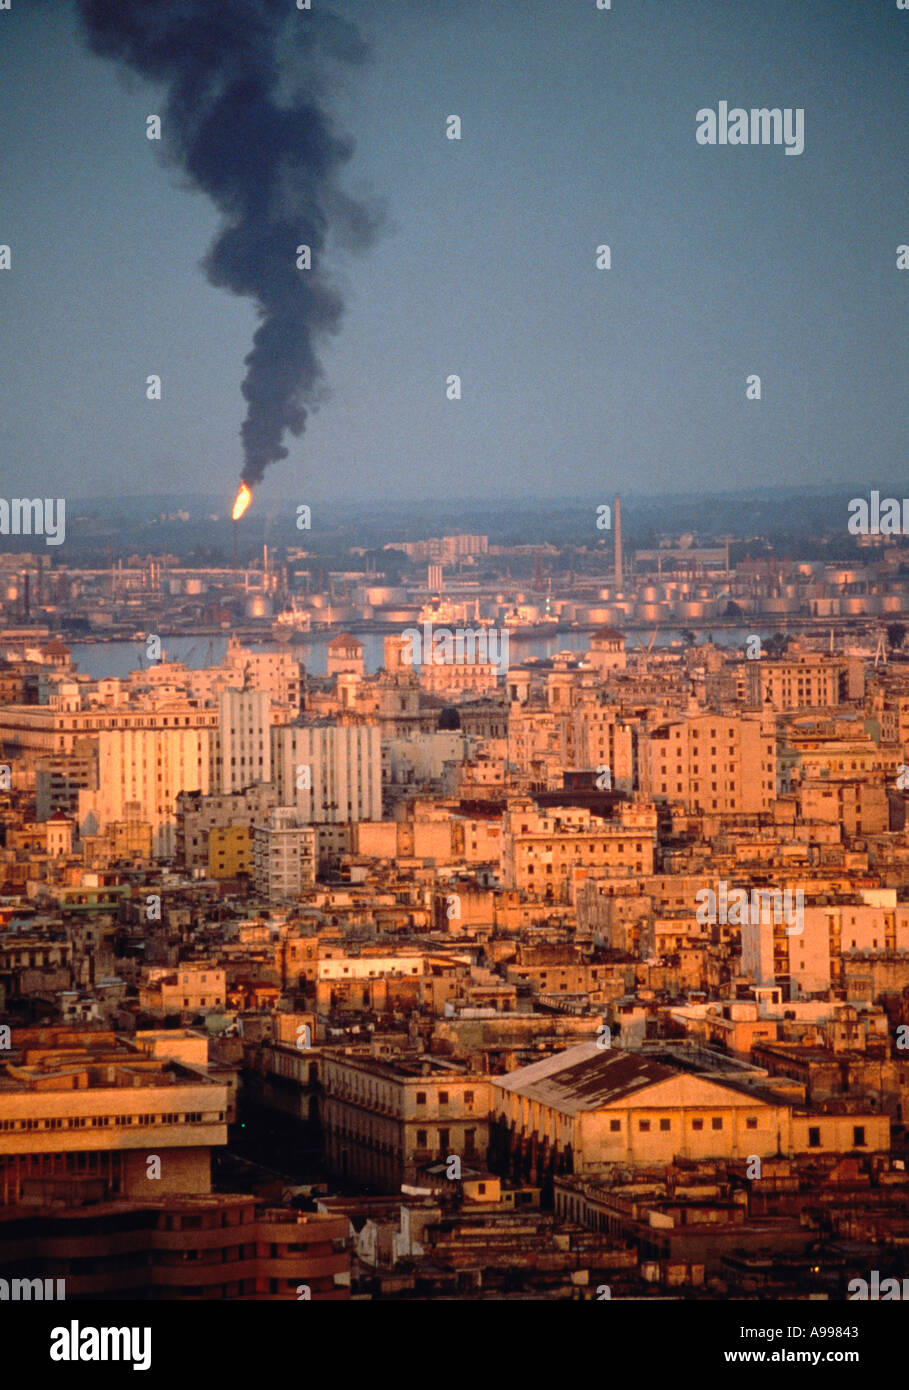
(244, 497)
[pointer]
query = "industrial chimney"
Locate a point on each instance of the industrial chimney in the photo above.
(617, 523)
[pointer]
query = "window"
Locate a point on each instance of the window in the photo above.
(421, 1097)
(444, 1136)
(697, 1124)
(751, 1122)
(644, 1126)
(481, 1188)
(814, 1138)
(858, 1136)
(468, 1097)
(615, 1126)
(664, 1125)
(443, 1097)
(421, 1138)
(717, 1122)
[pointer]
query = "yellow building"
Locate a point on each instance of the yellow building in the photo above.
(590, 1106)
(229, 851)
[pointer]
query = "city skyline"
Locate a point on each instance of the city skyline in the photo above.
(454, 675)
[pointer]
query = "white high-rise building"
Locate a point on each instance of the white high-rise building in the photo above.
(329, 772)
(140, 773)
(244, 738)
(284, 855)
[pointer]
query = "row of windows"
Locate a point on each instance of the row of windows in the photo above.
(443, 1097)
(194, 1117)
(635, 864)
(716, 1122)
(858, 1137)
(470, 1139)
(568, 848)
(139, 723)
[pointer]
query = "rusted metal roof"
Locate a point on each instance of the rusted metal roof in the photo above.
(586, 1077)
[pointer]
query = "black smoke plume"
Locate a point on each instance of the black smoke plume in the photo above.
(245, 117)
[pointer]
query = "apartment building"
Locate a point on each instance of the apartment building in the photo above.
(711, 762)
(802, 681)
(178, 1247)
(83, 1105)
(32, 732)
(141, 772)
(545, 854)
(199, 816)
(810, 961)
(277, 673)
(443, 549)
(193, 988)
(823, 751)
(451, 679)
(244, 739)
(386, 1120)
(59, 780)
(444, 839)
(599, 736)
(129, 840)
(860, 807)
(230, 851)
(538, 744)
(893, 711)
(284, 855)
(330, 773)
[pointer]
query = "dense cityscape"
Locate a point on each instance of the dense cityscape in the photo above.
(454, 686)
(456, 973)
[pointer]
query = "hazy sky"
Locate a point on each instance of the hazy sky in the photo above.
(578, 129)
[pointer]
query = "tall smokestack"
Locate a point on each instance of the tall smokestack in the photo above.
(617, 523)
